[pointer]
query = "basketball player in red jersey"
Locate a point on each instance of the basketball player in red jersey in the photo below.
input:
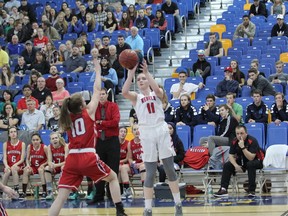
(57, 152)
(135, 163)
(13, 158)
(154, 134)
(78, 120)
(36, 161)
(11, 193)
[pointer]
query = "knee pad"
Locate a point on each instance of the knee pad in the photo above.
(151, 168)
(168, 165)
(143, 171)
(48, 171)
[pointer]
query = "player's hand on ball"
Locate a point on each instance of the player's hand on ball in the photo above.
(144, 67)
(132, 71)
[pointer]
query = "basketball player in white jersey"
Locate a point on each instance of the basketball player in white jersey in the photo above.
(154, 134)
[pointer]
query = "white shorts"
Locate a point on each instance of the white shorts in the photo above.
(156, 142)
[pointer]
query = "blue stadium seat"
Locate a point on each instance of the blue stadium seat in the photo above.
(197, 103)
(268, 100)
(175, 103)
(278, 87)
(227, 35)
(212, 81)
(257, 130)
(147, 46)
(170, 22)
(187, 63)
(202, 93)
(273, 132)
(201, 44)
(266, 71)
(244, 101)
(195, 80)
(75, 84)
(169, 82)
(70, 36)
(184, 133)
(45, 136)
(245, 91)
(154, 35)
(202, 131)
(220, 101)
(74, 89)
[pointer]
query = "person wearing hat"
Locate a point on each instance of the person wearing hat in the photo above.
(245, 30)
(258, 8)
(280, 28)
(183, 87)
(148, 12)
(227, 85)
(202, 67)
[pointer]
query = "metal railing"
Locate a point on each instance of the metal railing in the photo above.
(168, 36)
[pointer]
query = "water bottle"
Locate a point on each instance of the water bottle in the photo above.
(210, 191)
(36, 192)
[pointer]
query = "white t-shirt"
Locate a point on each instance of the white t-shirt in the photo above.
(188, 88)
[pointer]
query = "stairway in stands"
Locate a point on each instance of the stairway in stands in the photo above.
(162, 64)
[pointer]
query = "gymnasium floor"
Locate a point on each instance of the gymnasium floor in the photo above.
(275, 205)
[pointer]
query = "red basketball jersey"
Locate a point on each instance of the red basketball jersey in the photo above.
(37, 157)
(123, 149)
(82, 134)
(58, 154)
(137, 151)
(14, 153)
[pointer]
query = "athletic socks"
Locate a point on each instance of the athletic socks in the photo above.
(119, 207)
(148, 203)
(176, 197)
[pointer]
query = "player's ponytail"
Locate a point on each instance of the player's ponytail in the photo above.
(65, 119)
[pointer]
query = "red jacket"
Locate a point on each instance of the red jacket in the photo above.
(111, 122)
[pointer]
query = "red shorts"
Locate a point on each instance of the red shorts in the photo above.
(34, 170)
(79, 165)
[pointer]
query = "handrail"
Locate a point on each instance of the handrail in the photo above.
(168, 35)
(197, 8)
(110, 90)
(150, 50)
(185, 30)
(210, 7)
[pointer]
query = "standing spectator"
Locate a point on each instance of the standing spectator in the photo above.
(201, 67)
(34, 119)
(258, 8)
(29, 53)
(135, 41)
(75, 63)
(40, 64)
(183, 87)
(280, 28)
(214, 46)
(4, 58)
(110, 24)
(279, 77)
(7, 78)
(227, 85)
(279, 109)
(236, 110)
(107, 118)
(75, 25)
(50, 31)
(51, 80)
(61, 93)
(245, 30)
(257, 111)
(22, 106)
(209, 112)
(278, 8)
(53, 121)
(121, 45)
(257, 81)
(40, 41)
(237, 74)
(104, 51)
(244, 154)
(170, 7)
(41, 92)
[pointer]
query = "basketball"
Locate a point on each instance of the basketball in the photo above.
(128, 59)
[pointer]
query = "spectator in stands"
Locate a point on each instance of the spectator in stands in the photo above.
(34, 75)
(51, 80)
(61, 93)
(35, 27)
(149, 13)
(257, 111)
(100, 15)
(110, 24)
(64, 5)
(121, 45)
(80, 45)
(257, 81)
(132, 117)
(13, 158)
(22, 106)
(50, 31)
(69, 48)
(179, 150)
(132, 13)
(279, 109)
(90, 65)
(255, 64)
(8, 22)
(14, 48)
(123, 152)
(2, 7)
(125, 23)
(17, 30)
(40, 41)
(7, 98)
(279, 77)
(51, 54)
(237, 74)
(35, 150)
(62, 54)
(98, 43)
(47, 9)
(186, 114)
(47, 108)
(209, 112)
(244, 154)
(90, 24)
(214, 46)
(8, 117)
(258, 8)
(15, 13)
(33, 118)
(53, 16)
(53, 121)
(75, 26)
(41, 64)
(68, 13)
(201, 67)
(135, 41)
(57, 152)
(170, 7)
(75, 63)
(142, 21)
(280, 28)
(245, 30)
(27, 27)
(183, 87)
(91, 7)
(61, 25)
(7, 78)
(78, 6)
(278, 8)
(118, 12)
(225, 132)
(41, 92)
(4, 58)
(236, 110)
(104, 51)
(227, 85)
(160, 22)
(9, 4)
(135, 163)
(114, 62)
(169, 111)
(29, 53)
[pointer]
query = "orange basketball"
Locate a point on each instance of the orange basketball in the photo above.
(128, 59)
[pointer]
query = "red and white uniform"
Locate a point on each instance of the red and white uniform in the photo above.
(137, 151)
(37, 157)
(58, 156)
(123, 149)
(14, 153)
(82, 159)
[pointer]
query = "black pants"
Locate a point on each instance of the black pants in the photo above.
(109, 152)
(251, 167)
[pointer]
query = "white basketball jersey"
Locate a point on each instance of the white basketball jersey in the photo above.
(149, 109)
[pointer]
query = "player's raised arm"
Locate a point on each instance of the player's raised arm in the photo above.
(132, 96)
(92, 106)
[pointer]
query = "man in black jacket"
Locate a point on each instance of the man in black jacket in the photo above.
(27, 10)
(201, 67)
(258, 8)
(280, 28)
(29, 53)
